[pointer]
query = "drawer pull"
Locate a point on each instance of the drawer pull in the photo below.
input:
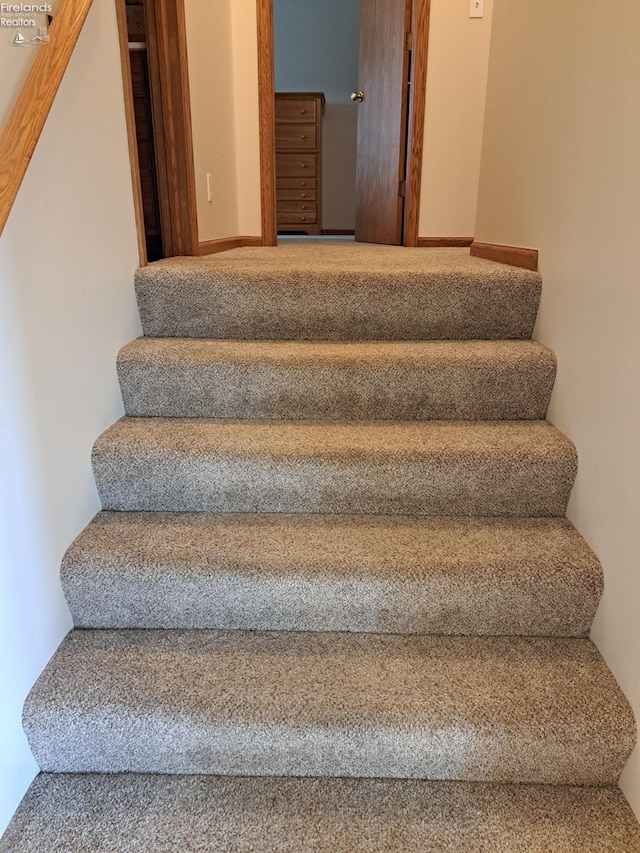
(303, 165)
(303, 195)
(304, 207)
(303, 112)
(303, 183)
(303, 136)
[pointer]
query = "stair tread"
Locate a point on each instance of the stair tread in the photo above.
(367, 292)
(390, 439)
(330, 704)
(410, 467)
(327, 572)
(171, 814)
(186, 377)
(303, 353)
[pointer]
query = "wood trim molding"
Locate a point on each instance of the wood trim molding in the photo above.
(223, 244)
(444, 242)
(515, 256)
(420, 17)
(121, 13)
(22, 131)
(266, 104)
(169, 81)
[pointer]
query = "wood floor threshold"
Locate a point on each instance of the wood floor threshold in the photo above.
(223, 244)
(515, 256)
(444, 242)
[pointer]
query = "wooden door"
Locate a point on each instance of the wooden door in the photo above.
(383, 76)
(146, 153)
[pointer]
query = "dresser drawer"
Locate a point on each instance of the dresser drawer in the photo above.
(295, 136)
(296, 217)
(288, 206)
(295, 184)
(296, 165)
(296, 195)
(292, 110)
(298, 138)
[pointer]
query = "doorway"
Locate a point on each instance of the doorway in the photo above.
(155, 79)
(406, 183)
(145, 137)
(316, 68)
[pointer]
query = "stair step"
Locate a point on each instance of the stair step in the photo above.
(173, 814)
(393, 574)
(511, 468)
(330, 704)
(402, 380)
(365, 293)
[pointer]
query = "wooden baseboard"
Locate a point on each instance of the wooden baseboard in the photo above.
(444, 242)
(337, 232)
(223, 244)
(515, 256)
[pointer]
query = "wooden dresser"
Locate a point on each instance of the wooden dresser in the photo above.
(299, 161)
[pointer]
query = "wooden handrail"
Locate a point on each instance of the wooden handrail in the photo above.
(22, 131)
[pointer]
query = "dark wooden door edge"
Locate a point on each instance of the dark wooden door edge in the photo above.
(515, 256)
(266, 107)
(223, 244)
(417, 99)
(123, 39)
(336, 232)
(169, 82)
(444, 242)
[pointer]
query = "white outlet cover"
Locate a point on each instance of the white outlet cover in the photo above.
(476, 8)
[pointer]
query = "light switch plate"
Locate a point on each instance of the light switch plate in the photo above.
(476, 8)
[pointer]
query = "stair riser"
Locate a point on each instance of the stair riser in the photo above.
(158, 745)
(178, 481)
(196, 304)
(312, 392)
(326, 572)
(447, 603)
(227, 814)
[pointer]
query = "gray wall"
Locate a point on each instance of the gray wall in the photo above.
(316, 50)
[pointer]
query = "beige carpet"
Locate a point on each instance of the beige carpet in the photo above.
(332, 582)
(71, 813)
(337, 292)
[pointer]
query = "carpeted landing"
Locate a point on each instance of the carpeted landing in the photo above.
(332, 602)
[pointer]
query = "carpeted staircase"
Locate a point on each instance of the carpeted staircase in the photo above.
(332, 602)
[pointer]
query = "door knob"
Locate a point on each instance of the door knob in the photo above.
(357, 96)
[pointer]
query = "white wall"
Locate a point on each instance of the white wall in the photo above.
(245, 112)
(316, 50)
(561, 173)
(67, 257)
(223, 81)
(209, 50)
(457, 67)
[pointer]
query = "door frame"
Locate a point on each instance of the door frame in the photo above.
(173, 139)
(420, 16)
